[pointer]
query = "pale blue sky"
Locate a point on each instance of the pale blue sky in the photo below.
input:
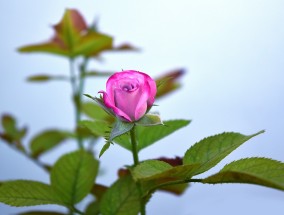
(233, 52)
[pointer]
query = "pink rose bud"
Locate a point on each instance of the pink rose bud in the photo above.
(129, 94)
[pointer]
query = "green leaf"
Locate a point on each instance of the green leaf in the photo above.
(47, 140)
(211, 150)
(146, 136)
(105, 147)
(92, 43)
(94, 111)
(45, 78)
(51, 47)
(98, 73)
(122, 198)
(154, 174)
(149, 168)
(40, 213)
(73, 176)
(261, 171)
(93, 208)
(72, 38)
(28, 193)
(150, 119)
(11, 133)
(9, 124)
(120, 128)
(97, 127)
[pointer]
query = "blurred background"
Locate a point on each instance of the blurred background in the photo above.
(233, 52)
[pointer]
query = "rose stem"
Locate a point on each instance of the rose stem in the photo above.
(134, 146)
(136, 161)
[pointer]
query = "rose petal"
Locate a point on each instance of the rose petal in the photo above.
(111, 105)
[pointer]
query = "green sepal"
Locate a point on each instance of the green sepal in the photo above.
(100, 102)
(120, 128)
(105, 147)
(150, 119)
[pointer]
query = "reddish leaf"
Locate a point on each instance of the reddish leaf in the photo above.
(169, 82)
(72, 38)
(98, 191)
(71, 27)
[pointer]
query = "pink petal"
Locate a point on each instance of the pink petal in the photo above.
(111, 105)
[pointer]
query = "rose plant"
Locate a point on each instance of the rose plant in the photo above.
(121, 115)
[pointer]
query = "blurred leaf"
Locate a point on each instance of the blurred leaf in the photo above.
(125, 47)
(98, 73)
(94, 111)
(47, 140)
(28, 193)
(54, 46)
(146, 136)
(211, 150)
(98, 191)
(122, 198)
(261, 171)
(11, 133)
(150, 119)
(97, 127)
(72, 38)
(92, 44)
(73, 176)
(84, 132)
(40, 213)
(93, 208)
(71, 27)
(169, 82)
(44, 78)
(9, 124)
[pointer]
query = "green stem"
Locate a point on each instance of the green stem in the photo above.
(134, 146)
(75, 210)
(136, 162)
(76, 100)
(175, 182)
